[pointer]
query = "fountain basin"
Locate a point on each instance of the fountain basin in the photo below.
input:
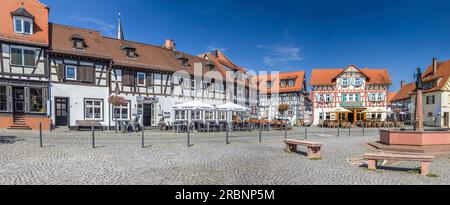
(414, 138)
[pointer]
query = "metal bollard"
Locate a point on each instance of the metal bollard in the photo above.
(40, 134)
(142, 142)
(349, 131)
(260, 134)
(306, 132)
(227, 141)
(93, 137)
(285, 132)
(364, 130)
(339, 131)
(188, 137)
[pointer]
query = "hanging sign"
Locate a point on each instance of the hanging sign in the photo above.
(147, 100)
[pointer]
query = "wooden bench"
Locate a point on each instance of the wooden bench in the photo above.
(374, 157)
(313, 147)
(88, 124)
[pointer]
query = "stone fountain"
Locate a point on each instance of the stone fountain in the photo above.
(418, 140)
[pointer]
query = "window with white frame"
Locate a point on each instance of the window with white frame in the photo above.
(430, 100)
(23, 56)
(376, 97)
(222, 115)
(180, 115)
(357, 82)
(140, 80)
(344, 81)
(122, 112)
(196, 115)
(291, 82)
(23, 25)
(209, 115)
(71, 72)
(328, 98)
(93, 109)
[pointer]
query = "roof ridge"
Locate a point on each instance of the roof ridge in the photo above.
(39, 2)
(73, 27)
(154, 46)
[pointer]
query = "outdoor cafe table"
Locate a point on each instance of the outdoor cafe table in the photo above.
(180, 123)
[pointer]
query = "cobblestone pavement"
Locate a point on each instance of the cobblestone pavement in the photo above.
(68, 158)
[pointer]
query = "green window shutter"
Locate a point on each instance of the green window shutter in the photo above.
(16, 56)
(357, 97)
(29, 57)
(344, 97)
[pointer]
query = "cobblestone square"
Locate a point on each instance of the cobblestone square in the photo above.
(68, 158)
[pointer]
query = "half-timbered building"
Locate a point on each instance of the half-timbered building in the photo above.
(401, 103)
(283, 88)
(352, 88)
(154, 79)
(239, 84)
(436, 94)
(79, 76)
(23, 64)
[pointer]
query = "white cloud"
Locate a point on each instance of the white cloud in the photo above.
(99, 24)
(280, 54)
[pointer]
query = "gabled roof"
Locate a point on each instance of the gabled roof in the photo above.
(391, 96)
(61, 42)
(275, 79)
(443, 73)
(21, 11)
(221, 61)
(149, 56)
(404, 92)
(27, 8)
(328, 76)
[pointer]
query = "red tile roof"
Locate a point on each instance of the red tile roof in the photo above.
(221, 61)
(61, 42)
(150, 57)
(443, 73)
(328, 76)
(391, 96)
(275, 79)
(404, 92)
(40, 28)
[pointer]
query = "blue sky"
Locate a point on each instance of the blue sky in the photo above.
(284, 35)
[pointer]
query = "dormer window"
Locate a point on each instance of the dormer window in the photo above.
(23, 25)
(23, 21)
(291, 82)
(78, 42)
(130, 51)
(184, 62)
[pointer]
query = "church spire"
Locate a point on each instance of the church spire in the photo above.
(120, 30)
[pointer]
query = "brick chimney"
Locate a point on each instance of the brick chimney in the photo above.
(170, 44)
(216, 53)
(402, 83)
(435, 65)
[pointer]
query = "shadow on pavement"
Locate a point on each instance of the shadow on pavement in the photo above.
(9, 139)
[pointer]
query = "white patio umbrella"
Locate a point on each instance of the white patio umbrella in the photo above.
(339, 110)
(377, 110)
(193, 105)
(232, 107)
